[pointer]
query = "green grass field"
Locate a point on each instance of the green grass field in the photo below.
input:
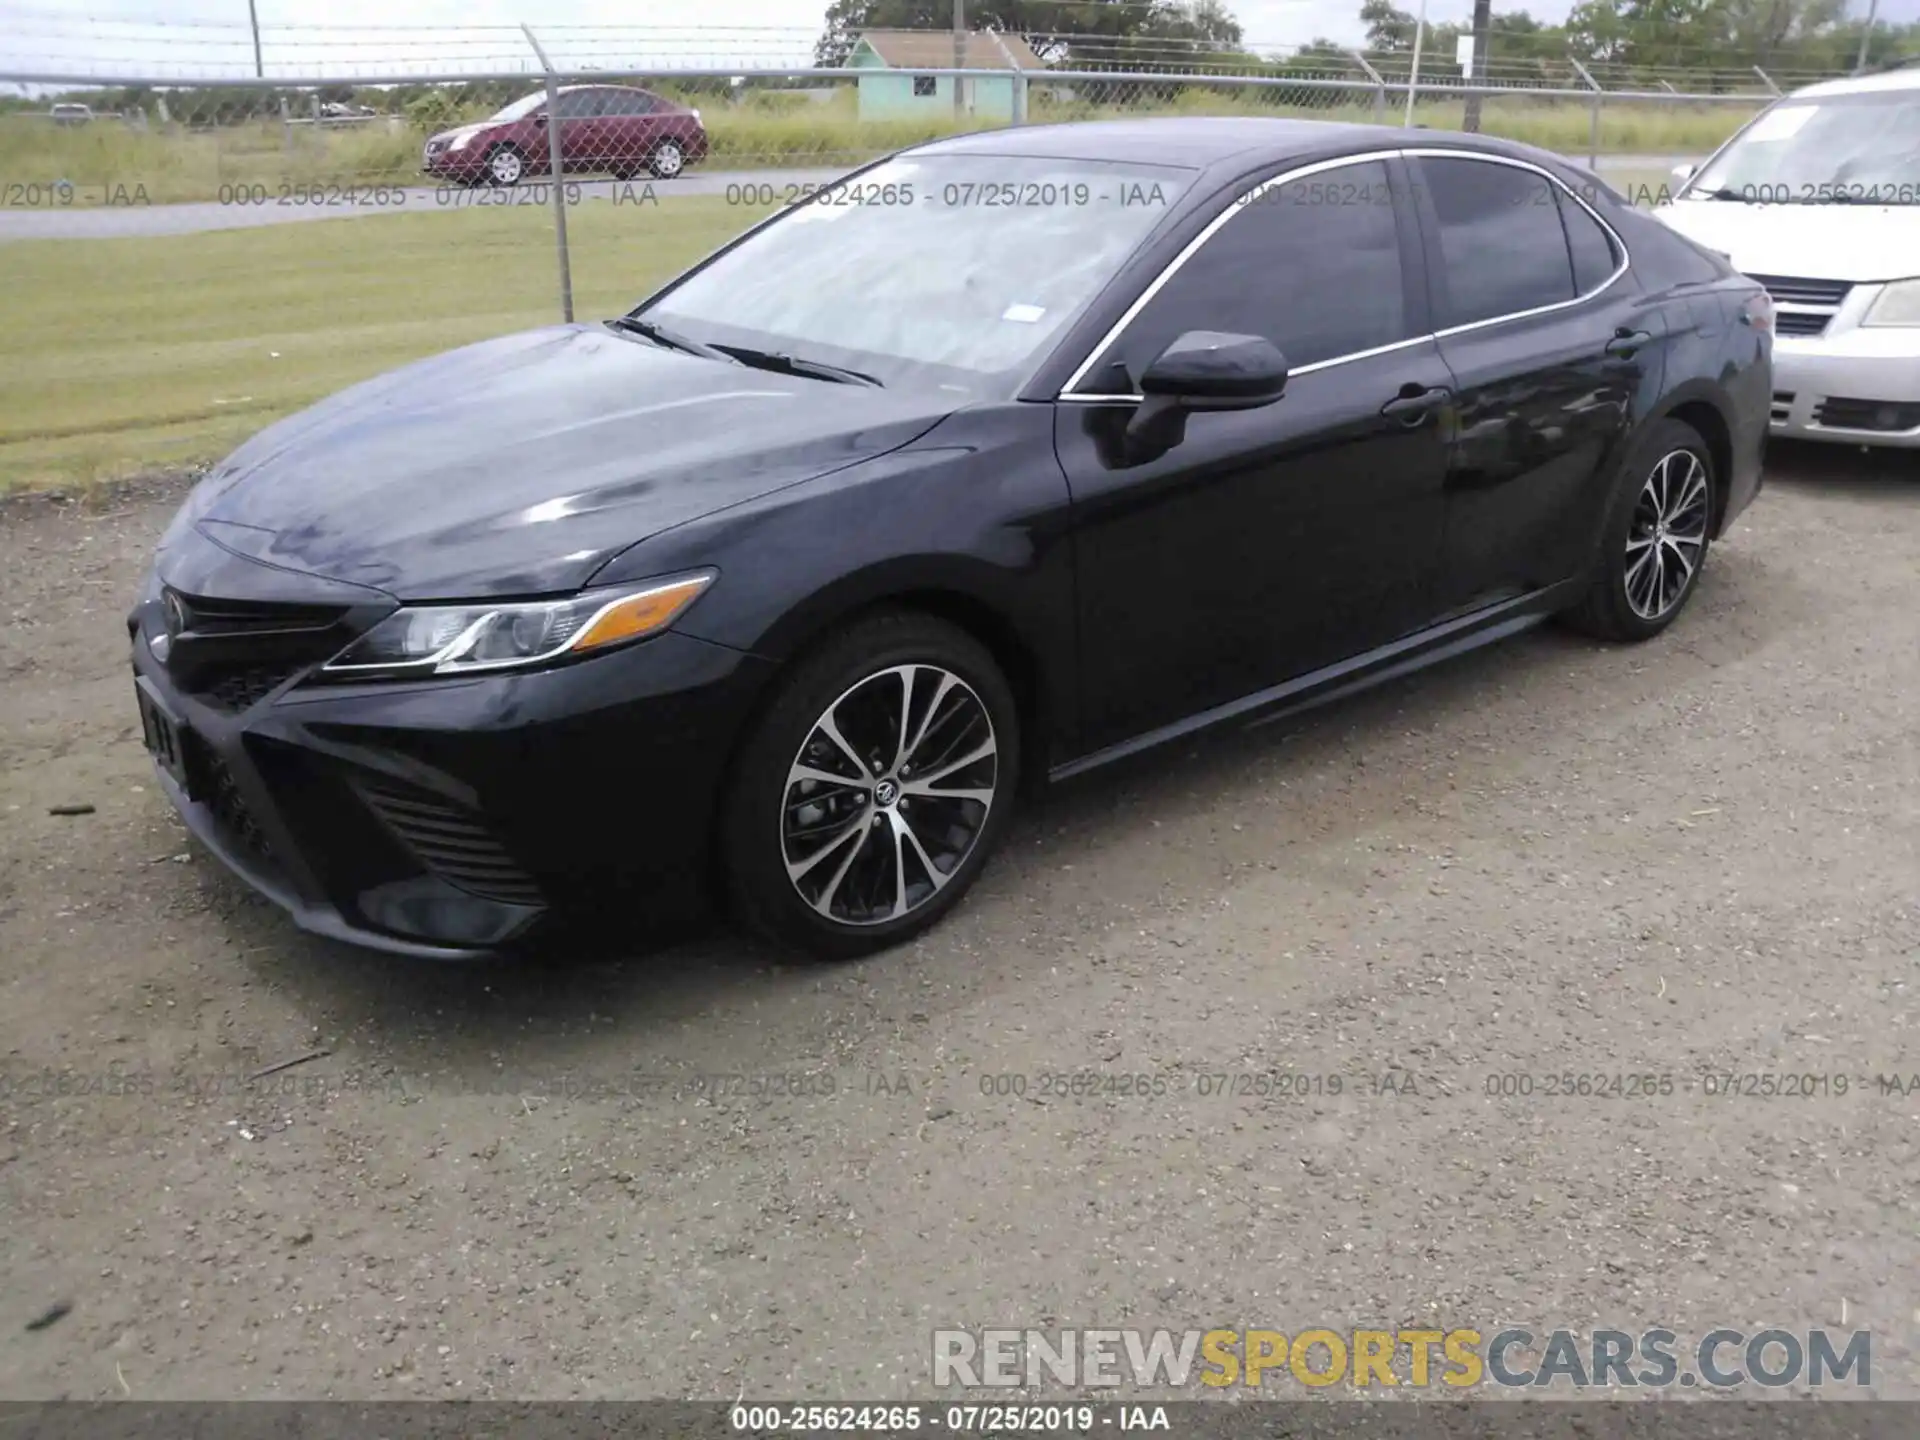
(127, 355)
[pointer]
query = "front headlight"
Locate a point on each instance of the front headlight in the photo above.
(460, 142)
(1898, 304)
(424, 640)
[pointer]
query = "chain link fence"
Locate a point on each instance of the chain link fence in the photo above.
(190, 252)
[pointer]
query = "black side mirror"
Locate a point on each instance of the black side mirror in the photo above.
(1202, 370)
(1210, 370)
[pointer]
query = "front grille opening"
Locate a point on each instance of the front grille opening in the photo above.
(1800, 323)
(1796, 290)
(449, 841)
(1782, 406)
(221, 792)
(1880, 416)
(237, 690)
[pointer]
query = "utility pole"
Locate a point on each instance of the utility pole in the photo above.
(1477, 63)
(1413, 75)
(253, 16)
(959, 58)
(1866, 35)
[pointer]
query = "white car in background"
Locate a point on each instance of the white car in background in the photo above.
(1819, 200)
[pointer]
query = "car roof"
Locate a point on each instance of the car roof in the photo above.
(1194, 141)
(1905, 78)
(1222, 147)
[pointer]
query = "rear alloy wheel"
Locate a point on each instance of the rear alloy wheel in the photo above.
(1668, 536)
(667, 160)
(1658, 531)
(873, 790)
(506, 165)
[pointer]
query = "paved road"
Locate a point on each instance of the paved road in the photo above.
(1689, 858)
(28, 222)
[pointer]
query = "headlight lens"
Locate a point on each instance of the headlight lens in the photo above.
(1898, 304)
(425, 640)
(460, 142)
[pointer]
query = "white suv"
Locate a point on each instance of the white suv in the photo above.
(1819, 200)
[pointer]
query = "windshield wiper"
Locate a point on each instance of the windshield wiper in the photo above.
(1723, 193)
(795, 365)
(672, 339)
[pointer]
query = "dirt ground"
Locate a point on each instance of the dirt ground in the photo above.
(1693, 858)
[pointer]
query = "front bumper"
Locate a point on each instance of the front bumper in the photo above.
(1853, 386)
(460, 817)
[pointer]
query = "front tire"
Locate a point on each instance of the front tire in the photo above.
(505, 166)
(868, 797)
(1657, 534)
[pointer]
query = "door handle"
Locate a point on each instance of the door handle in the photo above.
(1412, 405)
(1626, 342)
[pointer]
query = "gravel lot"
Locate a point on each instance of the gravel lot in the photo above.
(1698, 856)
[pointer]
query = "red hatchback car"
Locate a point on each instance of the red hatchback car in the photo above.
(612, 129)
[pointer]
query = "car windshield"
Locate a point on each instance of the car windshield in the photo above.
(952, 270)
(1846, 149)
(521, 108)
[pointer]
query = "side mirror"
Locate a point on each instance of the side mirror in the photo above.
(1683, 173)
(1211, 370)
(540, 119)
(1202, 370)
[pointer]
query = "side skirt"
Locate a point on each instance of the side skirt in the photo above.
(1347, 677)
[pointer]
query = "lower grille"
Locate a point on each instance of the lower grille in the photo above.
(450, 842)
(1882, 416)
(229, 807)
(1782, 406)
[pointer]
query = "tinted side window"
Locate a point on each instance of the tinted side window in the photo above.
(632, 102)
(576, 104)
(1594, 255)
(1502, 246)
(1312, 265)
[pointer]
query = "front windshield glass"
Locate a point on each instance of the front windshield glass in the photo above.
(522, 107)
(1846, 149)
(952, 270)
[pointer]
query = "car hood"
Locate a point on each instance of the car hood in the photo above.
(473, 129)
(520, 466)
(1855, 243)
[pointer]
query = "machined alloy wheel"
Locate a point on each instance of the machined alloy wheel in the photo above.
(505, 166)
(668, 159)
(1667, 537)
(888, 794)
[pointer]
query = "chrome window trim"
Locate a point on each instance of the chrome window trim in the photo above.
(1605, 285)
(1068, 394)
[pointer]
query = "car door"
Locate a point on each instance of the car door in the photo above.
(1551, 345)
(1264, 543)
(578, 114)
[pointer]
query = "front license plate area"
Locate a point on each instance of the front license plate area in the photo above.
(164, 734)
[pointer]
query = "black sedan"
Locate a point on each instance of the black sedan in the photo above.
(1007, 457)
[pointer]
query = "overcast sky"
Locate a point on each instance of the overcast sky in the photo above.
(181, 37)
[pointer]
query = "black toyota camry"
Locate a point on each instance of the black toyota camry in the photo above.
(1004, 458)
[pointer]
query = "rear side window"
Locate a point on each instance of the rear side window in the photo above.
(1312, 265)
(1594, 256)
(633, 102)
(1502, 246)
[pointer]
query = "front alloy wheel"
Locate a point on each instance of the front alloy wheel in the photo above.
(869, 795)
(505, 166)
(1668, 535)
(888, 794)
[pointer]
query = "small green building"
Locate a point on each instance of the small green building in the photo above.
(896, 92)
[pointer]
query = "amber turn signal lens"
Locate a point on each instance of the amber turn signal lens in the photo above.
(640, 615)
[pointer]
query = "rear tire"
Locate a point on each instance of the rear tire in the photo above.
(1655, 538)
(668, 159)
(850, 826)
